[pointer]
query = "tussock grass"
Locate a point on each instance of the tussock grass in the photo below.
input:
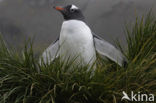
(23, 80)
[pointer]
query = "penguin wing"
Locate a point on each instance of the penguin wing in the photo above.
(106, 49)
(50, 53)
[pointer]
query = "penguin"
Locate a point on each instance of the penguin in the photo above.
(78, 43)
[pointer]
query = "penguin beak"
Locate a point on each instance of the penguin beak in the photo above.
(59, 8)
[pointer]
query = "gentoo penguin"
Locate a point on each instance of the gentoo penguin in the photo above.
(78, 43)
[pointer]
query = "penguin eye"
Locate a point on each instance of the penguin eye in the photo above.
(72, 10)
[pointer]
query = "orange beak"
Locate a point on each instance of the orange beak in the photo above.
(58, 8)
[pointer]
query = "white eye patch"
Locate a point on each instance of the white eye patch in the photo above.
(74, 7)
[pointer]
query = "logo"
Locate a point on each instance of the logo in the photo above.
(138, 97)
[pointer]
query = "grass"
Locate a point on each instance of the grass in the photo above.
(23, 80)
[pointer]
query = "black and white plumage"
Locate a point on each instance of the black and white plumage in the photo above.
(77, 40)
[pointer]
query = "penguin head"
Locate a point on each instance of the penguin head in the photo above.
(70, 12)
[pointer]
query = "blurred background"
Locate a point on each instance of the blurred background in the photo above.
(22, 19)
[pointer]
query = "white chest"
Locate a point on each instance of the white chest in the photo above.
(76, 40)
(77, 31)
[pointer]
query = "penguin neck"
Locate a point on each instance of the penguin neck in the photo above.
(78, 19)
(73, 20)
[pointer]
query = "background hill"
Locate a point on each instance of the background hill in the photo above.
(21, 19)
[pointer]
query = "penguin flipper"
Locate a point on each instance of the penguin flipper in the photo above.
(50, 53)
(106, 49)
